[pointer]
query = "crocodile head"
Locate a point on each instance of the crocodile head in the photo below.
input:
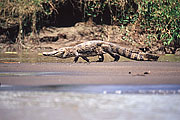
(64, 52)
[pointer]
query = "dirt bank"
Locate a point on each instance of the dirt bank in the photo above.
(129, 36)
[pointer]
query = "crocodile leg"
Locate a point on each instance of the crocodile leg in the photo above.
(76, 59)
(115, 56)
(101, 58)
(85, 58)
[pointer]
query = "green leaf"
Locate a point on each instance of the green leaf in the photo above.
(89, 14)
(170, 40)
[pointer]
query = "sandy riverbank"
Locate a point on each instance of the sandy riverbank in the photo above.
(130, 73)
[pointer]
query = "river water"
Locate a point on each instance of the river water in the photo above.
(88, 102)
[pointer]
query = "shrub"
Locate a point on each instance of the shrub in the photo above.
(23, 12)
(161, 17)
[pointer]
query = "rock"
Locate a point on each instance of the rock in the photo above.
(169, 50)
(147, 72)
(4, 39)
(177, 52)
(160, 52)
(49, 39)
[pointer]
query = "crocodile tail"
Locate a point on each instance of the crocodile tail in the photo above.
(141, 56)
(50, 53)
(151, 57)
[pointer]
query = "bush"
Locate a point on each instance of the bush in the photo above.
(161, 17)
(120, 12)
(24, 12)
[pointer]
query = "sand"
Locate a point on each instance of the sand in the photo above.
(120, 73)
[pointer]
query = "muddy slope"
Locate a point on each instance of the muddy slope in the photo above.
(129, 36)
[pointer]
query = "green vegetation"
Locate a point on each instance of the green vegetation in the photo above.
(119, 10)
(24, 12)
(162, 18)
(158, 18)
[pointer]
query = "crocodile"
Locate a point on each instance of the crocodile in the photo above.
(99, 48)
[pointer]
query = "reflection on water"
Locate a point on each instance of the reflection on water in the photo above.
(100, 89)
(26, 105)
